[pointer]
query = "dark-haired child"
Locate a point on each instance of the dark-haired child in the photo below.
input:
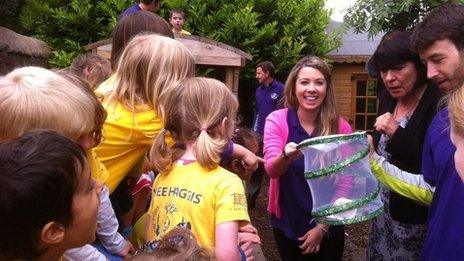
(49, 200)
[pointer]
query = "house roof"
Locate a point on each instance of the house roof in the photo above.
(15, 43)
(355, 48)
(205, 51)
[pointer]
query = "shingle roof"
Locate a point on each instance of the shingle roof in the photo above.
(15, 43)
(355, 47)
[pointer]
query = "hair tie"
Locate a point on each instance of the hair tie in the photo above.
(203, 129)
(163, 130)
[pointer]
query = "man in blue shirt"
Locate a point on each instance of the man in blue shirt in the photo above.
(439, 39)
(268, 95)
(146, 5)
(268, 99)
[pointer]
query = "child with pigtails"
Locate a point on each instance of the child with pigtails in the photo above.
(192, 189)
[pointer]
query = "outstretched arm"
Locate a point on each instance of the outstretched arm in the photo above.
(404, 183)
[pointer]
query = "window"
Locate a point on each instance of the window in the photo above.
(365, 92)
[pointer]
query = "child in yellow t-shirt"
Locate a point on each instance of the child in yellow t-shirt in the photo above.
(191, 188)
(148, 65)
(177, 20)
(36, 98)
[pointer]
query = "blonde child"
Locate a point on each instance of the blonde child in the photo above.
(149, 65)
(35, 98)
(123, 32)
(191, 187)
(456, 111)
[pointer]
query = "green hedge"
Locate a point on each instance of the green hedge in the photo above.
(275, 30)
(67, 26)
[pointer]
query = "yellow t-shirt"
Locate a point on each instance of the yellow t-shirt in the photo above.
(204, 198)
(98, 170)
(126, 141)
(182, 32)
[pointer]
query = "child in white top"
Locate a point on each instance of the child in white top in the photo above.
(36, 98)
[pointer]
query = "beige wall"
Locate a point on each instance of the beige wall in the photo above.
(342, 79)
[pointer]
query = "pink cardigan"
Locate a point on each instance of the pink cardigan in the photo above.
(275, 139)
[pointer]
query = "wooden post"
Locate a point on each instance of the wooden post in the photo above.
(232, 78)
(236, 80)
(229, 81)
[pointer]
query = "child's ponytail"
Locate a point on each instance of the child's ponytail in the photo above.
(198, 111)
(162, 156)
(207, 148)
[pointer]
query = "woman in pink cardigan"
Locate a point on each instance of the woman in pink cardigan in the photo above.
(310, 111)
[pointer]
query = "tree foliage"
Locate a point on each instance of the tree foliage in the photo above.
(375, 16)
(279, 31)
(9, 14)
(67, 26)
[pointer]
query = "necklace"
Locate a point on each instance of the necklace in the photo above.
(397, 115)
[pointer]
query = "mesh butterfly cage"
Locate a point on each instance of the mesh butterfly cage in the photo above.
(343, 188)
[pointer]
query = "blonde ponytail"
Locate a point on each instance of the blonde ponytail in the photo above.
(162, 155)
(207, 149)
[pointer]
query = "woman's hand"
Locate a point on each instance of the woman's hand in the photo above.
(248, 233)
(291, 151)
(386, 124)
(312, 239)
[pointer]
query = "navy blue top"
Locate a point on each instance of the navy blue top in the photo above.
(131, 9)
(295, 199)
(445, 230)
(268, 99)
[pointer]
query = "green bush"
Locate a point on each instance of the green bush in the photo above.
(67, 26)
(376, 16)
(279, 31)
(9, 14)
